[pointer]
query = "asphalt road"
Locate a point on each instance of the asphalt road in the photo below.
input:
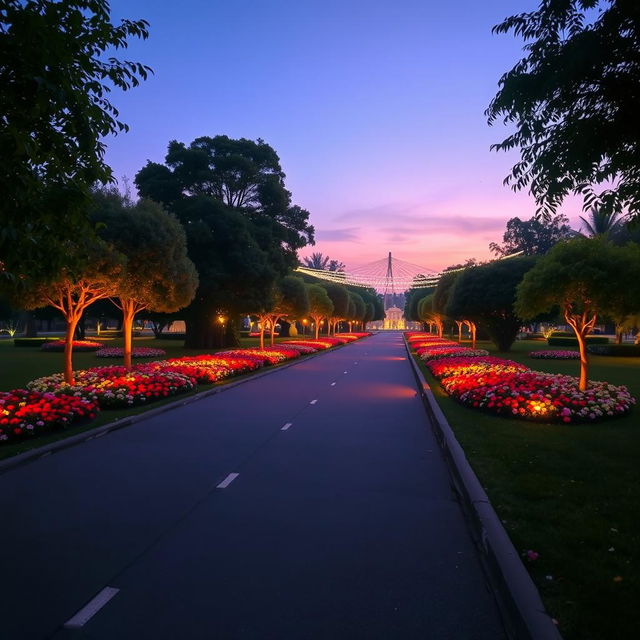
(340, 525)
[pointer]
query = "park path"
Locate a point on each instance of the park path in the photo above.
(341, 525)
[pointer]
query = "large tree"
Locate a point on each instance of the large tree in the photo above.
(532, 237)
(57, 69)
(573, 101)
(339, 296)
(318, 260)
(242, 230)
(157, 274)
(586, 278)
(486, 294)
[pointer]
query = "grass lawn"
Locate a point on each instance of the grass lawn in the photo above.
(571, 493)
(19, 365)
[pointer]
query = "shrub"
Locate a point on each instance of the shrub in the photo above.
(32, 342)
(78, 345)
(573, 342)
(617, 350)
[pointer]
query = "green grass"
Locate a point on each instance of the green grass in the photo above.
(571, 493)
(19, 365)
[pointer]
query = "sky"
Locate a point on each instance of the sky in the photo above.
(375, 108)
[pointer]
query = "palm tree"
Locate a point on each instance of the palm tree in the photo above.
(320, 261)
(598, 223)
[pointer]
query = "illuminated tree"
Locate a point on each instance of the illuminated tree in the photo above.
(427, 313)
(359, 308)
(586, 277)
(320, 305)
(485, 295)
(339, 296)
(96, 275)
(157, 274)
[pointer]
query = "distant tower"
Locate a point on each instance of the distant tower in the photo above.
(389, 287)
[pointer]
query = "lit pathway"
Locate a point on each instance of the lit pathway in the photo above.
(340, 522)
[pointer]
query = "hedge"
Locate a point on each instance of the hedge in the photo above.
(32, 342)
(573, 342)
(171, 336)
(618, 350)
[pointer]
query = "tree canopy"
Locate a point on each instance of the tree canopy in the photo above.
(485, 295)
(587, 278)
(533, 237)
(157, 274)
(242, 230)
(320, 305)
(573, 100)
(318, 260)
(57, 70)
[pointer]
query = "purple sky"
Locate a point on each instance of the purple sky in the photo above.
(374, 107)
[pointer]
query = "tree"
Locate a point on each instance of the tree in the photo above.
(320, 305)
(56, 73)
(157, 274)
(320, 261)
(533, 237)
(72, 292)
(243, 232)
(428, 313)
(291, 300)
(599, 223)
(485, 295)
(358, 310)
(586, 277)
(412, 300)
(339, 297)
(574, 101)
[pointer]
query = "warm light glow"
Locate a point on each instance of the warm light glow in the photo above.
(221, 319)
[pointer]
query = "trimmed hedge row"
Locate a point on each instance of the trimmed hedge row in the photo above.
(32, 342)
(573, 342)
(618, 350)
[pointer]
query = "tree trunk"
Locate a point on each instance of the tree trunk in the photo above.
(459, 330)
(200, 333)
(619, 334)
(584, 360)
(72, 322)
(128, 314)
(317, 328)
(273, 328)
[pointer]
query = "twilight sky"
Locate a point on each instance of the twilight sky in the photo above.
(375, 107)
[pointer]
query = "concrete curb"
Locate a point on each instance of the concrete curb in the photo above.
(59, 445)
(522, 610)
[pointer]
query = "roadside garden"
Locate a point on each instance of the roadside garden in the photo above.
(567, 493)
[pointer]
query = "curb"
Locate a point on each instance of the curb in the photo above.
(519, 602)
(46, 450)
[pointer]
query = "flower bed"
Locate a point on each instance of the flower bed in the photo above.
(505, 387)
(206, 369)
(78, 345)
(26, 414)
(555, 355)
(115, 387)
(453, 352)
(136, 352)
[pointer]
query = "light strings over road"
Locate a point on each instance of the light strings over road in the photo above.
(385, 275)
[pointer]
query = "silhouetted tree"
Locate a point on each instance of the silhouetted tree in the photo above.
(533, 237)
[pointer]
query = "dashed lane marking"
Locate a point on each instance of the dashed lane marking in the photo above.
(313, 401)
(333, 384)
(227, 481)
(286, 426)
(91, 608)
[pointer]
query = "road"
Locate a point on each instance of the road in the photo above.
(340, 522)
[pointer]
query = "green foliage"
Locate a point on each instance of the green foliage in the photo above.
(55, 111)
(573, 342)
(443, 291)
(157, 273)
(533, 237)
(320, 305)
(320, 261)
(616, 350)
(291, 298)
(32, 342)
(242, 231)
(485, 295)
(573, 100)
(339, 297)
(583, 276)
(359, 308)
(412, 299)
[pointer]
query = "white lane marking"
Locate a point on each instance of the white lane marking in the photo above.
(227, 481)
(345, 372)
(286, 426)
(91, 608)
(333, 384)
(355, 363)
(313, 401)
